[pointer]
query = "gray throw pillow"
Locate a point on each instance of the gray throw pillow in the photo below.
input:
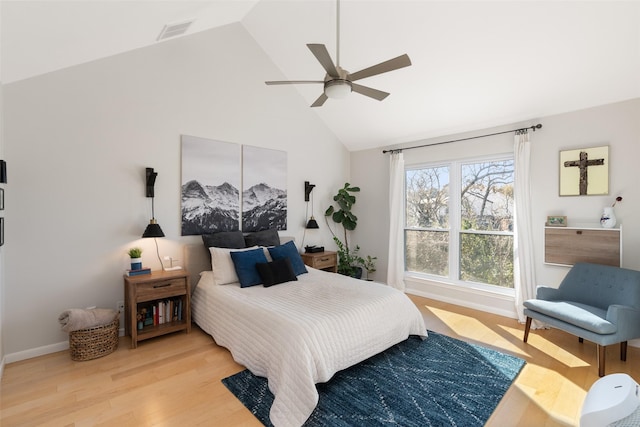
(262, 238)
(224, 239)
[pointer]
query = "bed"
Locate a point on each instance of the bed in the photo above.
(300, 333)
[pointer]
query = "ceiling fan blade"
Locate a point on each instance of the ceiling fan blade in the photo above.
(370, 92)
(383, 67)
(321, 99)
(293, 82)
(322, 55)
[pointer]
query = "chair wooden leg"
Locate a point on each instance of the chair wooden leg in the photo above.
(623, 351)
(580, 339)
(527, 326)
(601, 352)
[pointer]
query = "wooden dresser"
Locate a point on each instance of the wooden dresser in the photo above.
(591, 243)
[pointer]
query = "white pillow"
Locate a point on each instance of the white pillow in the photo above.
(224, 272)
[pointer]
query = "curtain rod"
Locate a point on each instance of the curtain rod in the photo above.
(399, 150)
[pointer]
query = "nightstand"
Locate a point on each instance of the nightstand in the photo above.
(156, 304)
(327, 260)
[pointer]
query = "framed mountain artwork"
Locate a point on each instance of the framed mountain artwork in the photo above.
(264, 189)
(210, 193)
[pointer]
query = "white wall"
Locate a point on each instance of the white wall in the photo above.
(79, 140)
(616, 125)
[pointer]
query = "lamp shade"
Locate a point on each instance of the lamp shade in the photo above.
(337, 89)
(312, 223)
(153, 230)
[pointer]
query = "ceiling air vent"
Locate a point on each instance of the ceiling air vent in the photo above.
(175, 29)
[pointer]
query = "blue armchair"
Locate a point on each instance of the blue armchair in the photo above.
(599, 303)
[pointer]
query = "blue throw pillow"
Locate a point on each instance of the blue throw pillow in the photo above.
(289, 250)
(245, 265)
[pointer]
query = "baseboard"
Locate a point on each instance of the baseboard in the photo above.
(41, 351)
(35, 352)
(500, 304)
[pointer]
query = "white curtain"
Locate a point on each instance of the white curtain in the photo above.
(395, 269)
(524, 272)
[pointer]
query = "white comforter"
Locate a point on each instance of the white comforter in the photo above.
(298, 334)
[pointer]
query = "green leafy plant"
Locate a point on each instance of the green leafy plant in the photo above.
(369, 264)
(135, 252)
(349, 260)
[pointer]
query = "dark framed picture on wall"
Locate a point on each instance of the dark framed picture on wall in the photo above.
(1, 231)
(1, 199)
(584, 172)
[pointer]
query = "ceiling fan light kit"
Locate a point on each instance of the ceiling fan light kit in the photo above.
(338, 83)
(337, 89)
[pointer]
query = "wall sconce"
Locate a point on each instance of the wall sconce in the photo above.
(308, 188)
(153, 229)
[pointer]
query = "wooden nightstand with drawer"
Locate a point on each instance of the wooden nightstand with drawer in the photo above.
(327, 261)
(156, 304)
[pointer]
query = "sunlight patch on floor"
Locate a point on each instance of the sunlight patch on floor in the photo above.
(541, 344)
(553, 399)
(467, 327)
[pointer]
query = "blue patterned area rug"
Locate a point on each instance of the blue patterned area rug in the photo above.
(440, 381)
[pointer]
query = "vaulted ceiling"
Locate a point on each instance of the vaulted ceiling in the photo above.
(475, 64)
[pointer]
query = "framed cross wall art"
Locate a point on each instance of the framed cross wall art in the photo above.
(584, 172)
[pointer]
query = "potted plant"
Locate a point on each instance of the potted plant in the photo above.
(369, 264)
(350, 263)
(136, 258)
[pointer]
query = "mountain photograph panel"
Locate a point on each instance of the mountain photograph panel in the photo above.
(264, 183)
(210, 186)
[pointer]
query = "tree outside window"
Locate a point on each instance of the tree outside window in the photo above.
(472, 242)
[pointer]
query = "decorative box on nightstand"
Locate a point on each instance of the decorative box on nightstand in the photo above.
(326, 260)
(156, 304)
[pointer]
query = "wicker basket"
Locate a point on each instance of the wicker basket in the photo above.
(91, 343)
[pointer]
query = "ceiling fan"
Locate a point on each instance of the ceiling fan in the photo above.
(338, 82)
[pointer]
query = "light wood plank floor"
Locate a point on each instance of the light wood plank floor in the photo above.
(175, 380)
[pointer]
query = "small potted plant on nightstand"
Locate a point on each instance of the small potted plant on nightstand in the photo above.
(136, 258)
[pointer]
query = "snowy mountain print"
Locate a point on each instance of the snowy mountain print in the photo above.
(264, 189)
(264, 207)
(208, 208)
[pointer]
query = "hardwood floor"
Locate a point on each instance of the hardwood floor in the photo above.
(174, 380)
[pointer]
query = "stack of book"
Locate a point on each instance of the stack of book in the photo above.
(160, 312)
(139, 272)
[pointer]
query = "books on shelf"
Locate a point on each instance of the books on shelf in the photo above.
(160, 312)
(139, 272)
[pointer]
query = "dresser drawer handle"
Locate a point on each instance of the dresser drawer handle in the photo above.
(324, 259)
(164, 285)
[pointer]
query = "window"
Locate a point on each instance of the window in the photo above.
(459, 221)
(427, 220)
